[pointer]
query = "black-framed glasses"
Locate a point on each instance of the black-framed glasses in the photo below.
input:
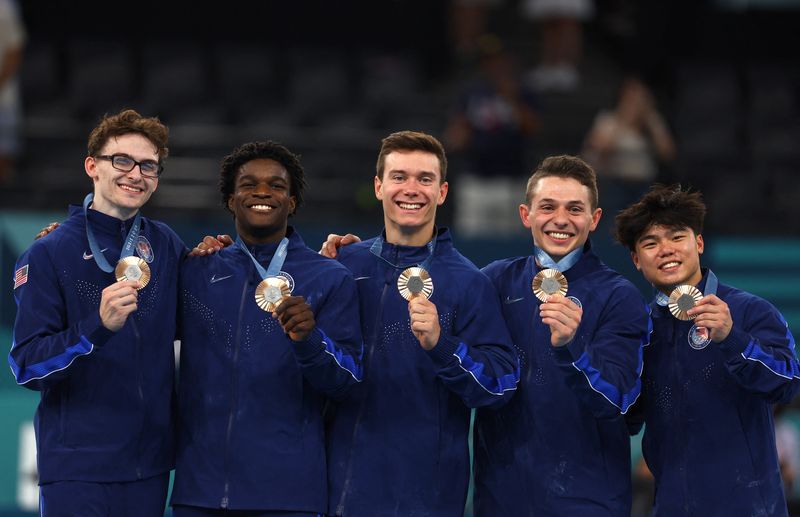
(124, 163)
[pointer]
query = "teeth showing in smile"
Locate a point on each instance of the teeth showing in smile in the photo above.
(559, 235)
(410, 206)
(670, 265)
(261, 207)
(130, 189)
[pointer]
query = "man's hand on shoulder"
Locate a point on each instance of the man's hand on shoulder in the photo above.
(330, 248)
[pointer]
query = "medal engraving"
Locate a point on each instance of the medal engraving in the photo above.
(133, 268)
(271, 292)
(683, 298)
(415, 281)
(549, 282)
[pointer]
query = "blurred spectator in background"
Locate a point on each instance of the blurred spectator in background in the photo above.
(468, 20)
(492, 127)
(561, 45)
(628, 145)
(12, 39)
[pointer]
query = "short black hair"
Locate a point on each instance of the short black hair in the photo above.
(269, 150)
(664, 205)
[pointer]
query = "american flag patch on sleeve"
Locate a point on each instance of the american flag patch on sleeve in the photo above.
(20, 276)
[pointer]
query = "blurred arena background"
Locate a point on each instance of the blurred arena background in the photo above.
(330, 79)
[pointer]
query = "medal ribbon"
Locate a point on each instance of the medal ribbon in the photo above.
(275, 264)
(545, 261)
(377, 248)
(127, 248)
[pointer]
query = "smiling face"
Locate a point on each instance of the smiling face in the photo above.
(261, 201)
(560, 215)
(410, 191)
(668, 257)
(116, 193)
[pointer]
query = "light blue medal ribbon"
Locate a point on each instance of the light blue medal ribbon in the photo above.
(275, 264)
(127, 248)
(699, 337)
(550, 279)
(273, 287)
(711, 284)
(662, 300)
(413, 281)
(377, 248)
(545, 261)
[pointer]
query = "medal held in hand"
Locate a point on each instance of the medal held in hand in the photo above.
(683, 298)
(133, 268)
(129, 266)
(415, 281)
(271, 292)
(549, 282)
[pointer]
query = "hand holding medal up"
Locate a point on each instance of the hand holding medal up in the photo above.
(561, 314)
(712, 317)
(416, 286)
(117, 302)
(295, 316)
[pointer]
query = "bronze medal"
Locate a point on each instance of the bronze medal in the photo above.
(683, 298)
(133, 268)
(415, 281)
(271, 292)
(549, 282)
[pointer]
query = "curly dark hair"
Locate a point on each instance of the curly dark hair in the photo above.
(257, 150)
(664, 205)
(126, 122)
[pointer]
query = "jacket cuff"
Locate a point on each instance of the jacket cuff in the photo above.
(567, 354)
(444, 351)
(735, 343)
(92, 328)
(310, 346)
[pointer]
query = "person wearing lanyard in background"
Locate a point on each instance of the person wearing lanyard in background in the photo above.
(717, 361)
(94, 334)
(269, 330)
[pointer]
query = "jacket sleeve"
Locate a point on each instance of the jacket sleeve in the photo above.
(759, 352)
(478, 361)
(45, 344)
(331, 356)
(603, 366)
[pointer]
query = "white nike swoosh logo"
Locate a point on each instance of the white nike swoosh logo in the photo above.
(88, 256)
(215, 278)
(360, 278)
(509, 300)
